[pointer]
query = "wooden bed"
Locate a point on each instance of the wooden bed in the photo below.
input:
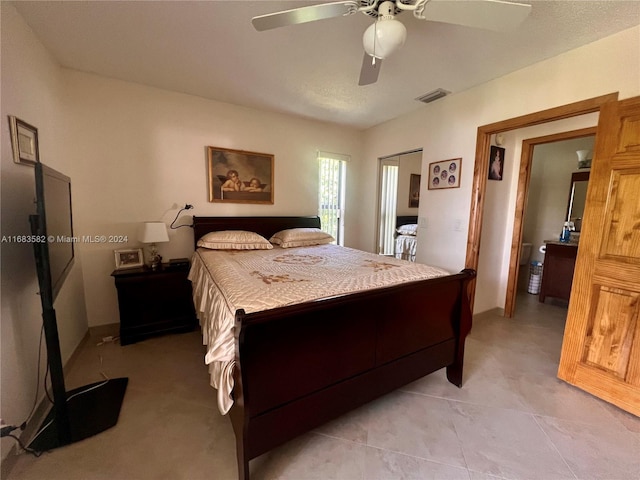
(300, 366)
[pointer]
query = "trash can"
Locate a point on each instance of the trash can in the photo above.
(535, 277)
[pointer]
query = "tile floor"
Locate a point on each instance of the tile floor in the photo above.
(512, 419)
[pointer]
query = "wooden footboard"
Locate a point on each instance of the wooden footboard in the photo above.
(298, 367)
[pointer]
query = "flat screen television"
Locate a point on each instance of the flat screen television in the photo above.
(87, 410)
(54, 223)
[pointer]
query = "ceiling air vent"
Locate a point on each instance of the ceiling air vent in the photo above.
(433, 95)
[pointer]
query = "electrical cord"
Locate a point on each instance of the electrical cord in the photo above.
(42, 429)
(7, 431)
(46, 390)
(186, 207)
(23, 425)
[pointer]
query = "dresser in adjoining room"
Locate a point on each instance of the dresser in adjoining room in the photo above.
(557, 275)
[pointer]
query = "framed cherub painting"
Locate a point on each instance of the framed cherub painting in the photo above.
(237, 176)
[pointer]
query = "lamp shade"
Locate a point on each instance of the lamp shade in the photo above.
(583, 155)
(153, 232)
(384, 37)
(584, 158)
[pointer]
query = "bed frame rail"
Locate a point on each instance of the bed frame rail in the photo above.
(298, 367)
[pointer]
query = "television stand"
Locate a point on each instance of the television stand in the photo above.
(91, 409)
(85, 411)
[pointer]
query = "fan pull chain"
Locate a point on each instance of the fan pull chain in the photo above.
(375, 40)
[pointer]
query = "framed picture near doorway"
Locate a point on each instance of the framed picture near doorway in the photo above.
(496, 163)
(445, 174)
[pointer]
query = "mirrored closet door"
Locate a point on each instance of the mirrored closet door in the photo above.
(399, 194)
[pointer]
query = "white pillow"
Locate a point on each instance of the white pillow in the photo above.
(409, 229)
(234, 240)
(301, 237)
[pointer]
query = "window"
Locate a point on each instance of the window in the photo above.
(331, 193)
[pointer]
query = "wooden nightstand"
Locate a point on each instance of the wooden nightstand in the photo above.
(154, 302)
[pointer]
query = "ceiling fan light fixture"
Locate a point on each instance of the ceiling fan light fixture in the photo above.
(384, 37)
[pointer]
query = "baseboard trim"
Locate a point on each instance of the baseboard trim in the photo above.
(492, 311)
(101, 331)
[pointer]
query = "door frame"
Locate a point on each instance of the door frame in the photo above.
(481, 166)
(526, 163)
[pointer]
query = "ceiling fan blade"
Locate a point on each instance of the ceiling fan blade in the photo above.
(494, 15)
(370, 70)
(304, 14)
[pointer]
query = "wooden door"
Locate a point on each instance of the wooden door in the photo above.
(601, 347)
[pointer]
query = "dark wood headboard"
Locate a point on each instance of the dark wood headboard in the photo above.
(265, 226)
(406, 220)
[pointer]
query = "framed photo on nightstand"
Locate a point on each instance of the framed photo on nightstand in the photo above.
(129, 258)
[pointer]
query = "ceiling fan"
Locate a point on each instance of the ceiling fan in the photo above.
(386, 34)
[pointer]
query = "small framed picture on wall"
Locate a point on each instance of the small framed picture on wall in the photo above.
(496, 163)
(445, 174)
(24, 141)
(414, 190)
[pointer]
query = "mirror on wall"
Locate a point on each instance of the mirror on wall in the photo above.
(399, 194)
(577, 198)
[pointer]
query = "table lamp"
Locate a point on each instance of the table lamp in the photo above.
(152, 233)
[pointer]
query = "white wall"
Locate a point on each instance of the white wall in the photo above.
(138, 151)
(448, 129)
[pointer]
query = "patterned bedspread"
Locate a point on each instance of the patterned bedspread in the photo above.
(256, 280)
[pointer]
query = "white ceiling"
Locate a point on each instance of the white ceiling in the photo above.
(210, 49)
